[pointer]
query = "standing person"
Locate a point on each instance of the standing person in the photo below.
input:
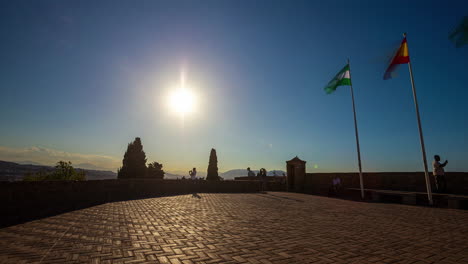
(439, 173)
(263, 179)
(193, 174)
(337, 185)
(250, 173)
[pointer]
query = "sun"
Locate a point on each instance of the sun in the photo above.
(182, 101)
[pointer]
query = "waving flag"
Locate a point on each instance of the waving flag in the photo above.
(400, 57)
(341, 78)
(460, 35)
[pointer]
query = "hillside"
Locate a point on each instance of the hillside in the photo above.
(11, 171)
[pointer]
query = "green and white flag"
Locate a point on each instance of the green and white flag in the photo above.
(341, 78)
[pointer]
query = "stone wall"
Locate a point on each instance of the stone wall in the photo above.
(24, 201)
(319, 183)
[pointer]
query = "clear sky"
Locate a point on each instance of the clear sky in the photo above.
(81, 79)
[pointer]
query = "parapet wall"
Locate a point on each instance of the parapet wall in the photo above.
(319, 183)
(24, 201)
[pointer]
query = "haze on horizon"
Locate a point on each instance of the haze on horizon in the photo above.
(80, 80)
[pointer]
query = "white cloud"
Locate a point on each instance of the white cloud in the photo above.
(48, 156)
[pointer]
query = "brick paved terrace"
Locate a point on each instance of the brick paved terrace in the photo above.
(242, 228)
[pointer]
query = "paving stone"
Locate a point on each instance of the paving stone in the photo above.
(242, 228)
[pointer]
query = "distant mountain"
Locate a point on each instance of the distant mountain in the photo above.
(228, 175)
(99, 174)
(87, 166)
(180, 173)
(231, 174)
(11, 171)
(28, 162)
(173, 176)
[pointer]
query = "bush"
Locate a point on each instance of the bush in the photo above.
(155, 171)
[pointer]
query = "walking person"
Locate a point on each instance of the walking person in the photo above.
(439, 174)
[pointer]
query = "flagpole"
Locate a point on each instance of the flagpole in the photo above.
(421, 139)
(357, 135)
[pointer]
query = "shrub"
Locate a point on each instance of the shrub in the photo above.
(155, 170)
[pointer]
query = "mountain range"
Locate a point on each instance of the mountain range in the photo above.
(231, 174)
(227, 175)
(12, 171)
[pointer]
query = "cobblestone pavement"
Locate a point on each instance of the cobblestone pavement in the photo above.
(242, 228)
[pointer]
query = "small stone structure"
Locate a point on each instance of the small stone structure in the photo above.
(296, 171)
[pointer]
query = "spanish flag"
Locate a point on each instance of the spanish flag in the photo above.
(401, 57)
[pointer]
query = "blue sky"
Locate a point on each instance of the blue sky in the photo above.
(81, 79)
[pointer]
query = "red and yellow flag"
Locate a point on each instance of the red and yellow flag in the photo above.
(400, 57)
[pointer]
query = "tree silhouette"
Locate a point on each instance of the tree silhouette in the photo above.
(155, 170)
(213, 167)
(63, 171)
(134, 161)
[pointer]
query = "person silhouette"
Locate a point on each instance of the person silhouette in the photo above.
(250, 173)
(263, 179)
(336, 185)
(439, 173)
(193, 174)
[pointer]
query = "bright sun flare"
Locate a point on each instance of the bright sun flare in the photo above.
(182, 101)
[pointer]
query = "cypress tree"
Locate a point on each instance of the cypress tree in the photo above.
(134, 161)
(212, 167)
